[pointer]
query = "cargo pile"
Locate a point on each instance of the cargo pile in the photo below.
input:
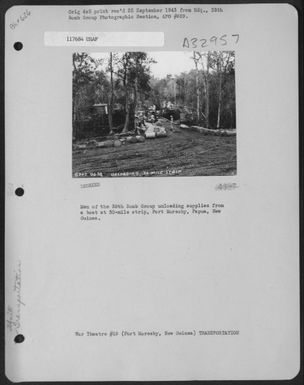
(151, 132)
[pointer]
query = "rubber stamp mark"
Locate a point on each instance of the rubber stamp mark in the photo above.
(89, 185)
(226, 186)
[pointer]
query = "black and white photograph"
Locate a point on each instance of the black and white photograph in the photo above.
(169, 113)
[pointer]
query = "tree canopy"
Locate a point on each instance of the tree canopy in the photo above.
(125, 82)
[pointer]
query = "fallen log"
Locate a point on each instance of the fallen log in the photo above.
(128, 139)
(209, 131)
(108, 143)
(150, 135)
(161, 134)
(80, 146)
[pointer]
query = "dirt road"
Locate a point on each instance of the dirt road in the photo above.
(189, 153)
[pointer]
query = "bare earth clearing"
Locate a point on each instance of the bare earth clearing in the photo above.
(188, 153)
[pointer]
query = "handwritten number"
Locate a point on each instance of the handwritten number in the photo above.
(223, 39)
(213, 39)
(204, 43)
(238, 36)
(194, 41)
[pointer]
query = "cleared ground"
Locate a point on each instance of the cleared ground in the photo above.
(187, 152)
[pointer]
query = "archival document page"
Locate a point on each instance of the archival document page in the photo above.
(152, 192)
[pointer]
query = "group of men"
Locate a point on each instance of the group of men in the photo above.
(141, 119)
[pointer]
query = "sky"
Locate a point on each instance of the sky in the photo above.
(168, 62)
(171, 63)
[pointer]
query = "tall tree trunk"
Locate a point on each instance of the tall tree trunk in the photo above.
(219, 103)
(127, 105)
(197, 96)
(75, 133)
(135, 101)
(110, 116)
(73, 109)
(127, 120)
(197, 87)
(207, 92)
(219, 69)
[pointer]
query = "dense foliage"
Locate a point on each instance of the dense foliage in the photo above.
(204, 95)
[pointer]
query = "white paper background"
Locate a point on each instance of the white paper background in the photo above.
(238, 270)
